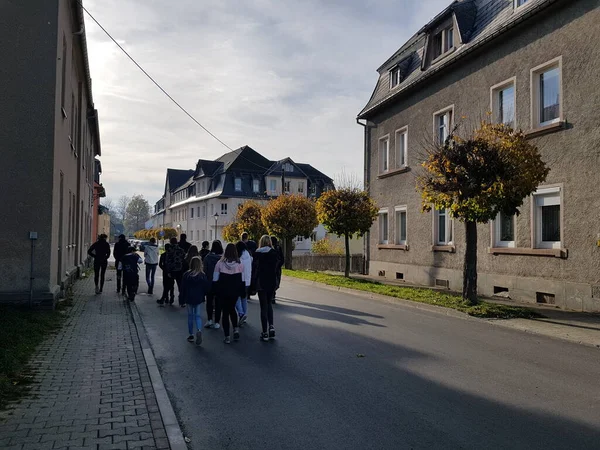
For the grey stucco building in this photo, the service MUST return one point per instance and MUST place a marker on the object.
(49, 139)
(534, 64)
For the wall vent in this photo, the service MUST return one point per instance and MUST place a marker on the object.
(596, 291)
(498, 289)
(542, 297)
(442, 283)
(399, 276)
(382, 273)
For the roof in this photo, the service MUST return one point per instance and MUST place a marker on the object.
(478, 21)
(245, 157)
(177, 178)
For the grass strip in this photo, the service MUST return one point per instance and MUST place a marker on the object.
(422, 295)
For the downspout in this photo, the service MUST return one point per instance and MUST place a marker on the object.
(367, 186)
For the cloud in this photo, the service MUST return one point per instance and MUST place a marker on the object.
(286, 78)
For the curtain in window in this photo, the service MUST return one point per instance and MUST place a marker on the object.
(551, 223)
(549, 95)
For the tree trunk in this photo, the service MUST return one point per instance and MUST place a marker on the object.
(347, 270)
(287, 248)
(470, 265)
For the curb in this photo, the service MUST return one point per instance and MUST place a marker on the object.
(174, 433)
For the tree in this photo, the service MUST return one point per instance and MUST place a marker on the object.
(248, 219)
(231, 232)
(288, 216)
(137, 213)
(346, 212)
(489, 172)
(121, 207)
(109, 204)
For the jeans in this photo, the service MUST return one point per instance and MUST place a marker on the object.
(119, 277)
(194, 314)
(229, 313)
(131, 282)
(213, 302)
(168, 288)
(241, 306)
(266, 309)
(150, 272)
(99, 272)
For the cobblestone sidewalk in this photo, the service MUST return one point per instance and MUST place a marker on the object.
(92, 388)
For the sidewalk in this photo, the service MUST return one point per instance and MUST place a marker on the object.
(92, 387)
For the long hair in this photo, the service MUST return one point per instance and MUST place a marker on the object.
(217, 248)
(231, 254)
(265, 241)
(241, 247)
(193, 251)
(196, 266)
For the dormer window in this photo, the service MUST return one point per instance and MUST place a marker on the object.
(520, 3)
(443, 42)
(395, 77)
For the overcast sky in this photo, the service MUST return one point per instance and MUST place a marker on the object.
(284, 77)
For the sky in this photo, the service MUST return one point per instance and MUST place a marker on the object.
(287, 78)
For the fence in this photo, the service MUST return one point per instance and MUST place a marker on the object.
(321, 263)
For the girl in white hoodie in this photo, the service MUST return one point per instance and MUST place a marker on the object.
(242, 303)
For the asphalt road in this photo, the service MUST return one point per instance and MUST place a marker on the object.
(347, 372)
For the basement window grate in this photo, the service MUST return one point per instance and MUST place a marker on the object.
(382, 273)
(442, 283)
(399, 276)
(545, 298)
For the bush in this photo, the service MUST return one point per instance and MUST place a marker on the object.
(327, 247)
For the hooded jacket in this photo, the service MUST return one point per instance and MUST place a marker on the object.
(229, 279)
(194, 288)
(265, 264)
(151, 254)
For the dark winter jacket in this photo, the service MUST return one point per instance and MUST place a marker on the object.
(251, 247)
(175, 257)
(121, 248)
(203, 253)
(130, 263)
(100, 250)
(265, 268)
(194, 288)
(210, 261)
(162, 263)
(185, 246)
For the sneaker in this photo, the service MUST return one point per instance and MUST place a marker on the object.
(217, 326)
(271, 332)
(190, 338)
(236, 334)
(243, 319)
(97, 290)
(183, 305)
(264, 337)
(227, 340)
(209, 324)
(198, 337)
(160, 301)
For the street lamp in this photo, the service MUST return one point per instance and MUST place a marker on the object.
(216, 216)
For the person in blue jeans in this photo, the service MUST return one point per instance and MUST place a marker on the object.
(151, 263)
(194, 287)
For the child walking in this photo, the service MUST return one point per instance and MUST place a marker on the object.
(130, 263)
(230, 284)
(194, 287)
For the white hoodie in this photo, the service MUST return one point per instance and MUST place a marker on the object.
(151, 254)
(246, 260)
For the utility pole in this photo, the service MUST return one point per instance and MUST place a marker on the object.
(282, 179)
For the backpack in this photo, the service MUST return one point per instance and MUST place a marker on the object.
(175, 259)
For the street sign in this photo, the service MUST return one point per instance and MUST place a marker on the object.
(161, 233)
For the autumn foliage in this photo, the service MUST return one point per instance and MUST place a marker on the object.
(155, 233)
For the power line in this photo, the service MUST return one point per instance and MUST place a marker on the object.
(152, 79)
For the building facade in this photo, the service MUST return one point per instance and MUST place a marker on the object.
(49, 140)
(201, 202)
(533, 64)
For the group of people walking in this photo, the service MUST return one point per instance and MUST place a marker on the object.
(223, 278)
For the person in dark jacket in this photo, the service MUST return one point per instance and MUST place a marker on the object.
(250, 244)
(212, 299)
(266, 260)
(194, 287)
(168, 282)
(183, 243)
(280, 262)
(193, 251)
(230, 285)
(120, 250)
(100, 251)
(130, 263)
(174, 262)
(205, 250)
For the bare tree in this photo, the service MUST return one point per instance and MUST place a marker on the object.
(109, 204)
(121, 207)
(348, 180)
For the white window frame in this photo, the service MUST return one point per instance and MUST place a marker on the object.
(525, 3)
(554, 195)
(497, 232)
(287, 186)
(255, 186)
(395, 77)
(383, 212)
(445, 49)
(495, 100)
(449, 112)
(555, 63)
(273, 186)
(238, 184)
(448, 231)
(300, 187)
(223, 209)
(381, 153)
(401, 136)
(397, 211)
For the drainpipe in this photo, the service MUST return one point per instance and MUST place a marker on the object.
(367, 184)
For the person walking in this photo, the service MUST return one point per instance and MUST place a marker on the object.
(241, 305)
(193, 251)
(250, 244)
(174, 263)
(168, 282)
(151, 262)
(194, 287)
(229, 279)
(280, 262)
(213, 303)
(183, 243)
(120, 250)
(100, 251)
(205, 250)
(131, 279)
(265, 261)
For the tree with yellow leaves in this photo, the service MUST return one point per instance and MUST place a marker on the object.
(475, 178)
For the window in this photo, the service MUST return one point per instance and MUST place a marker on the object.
(384, 154)
(223, 209)
(503, 103)
(301, 187)
(299, 238)
(238, 184)
(504, 230)
(203, 235)
(547, 218)
(198, 212)
(443, 42)
(255, 186)
(546, 94)
(443, 124)
(520, 2)
(212, 209)
(443, 227)
(287, 167)
(191, 213)
(286, 187)
(401, 142)
(401, 225)
(395, 77)
(272, 186)
(383, 226)
(203, 210)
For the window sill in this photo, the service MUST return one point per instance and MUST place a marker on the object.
(562, 253)
(392, 247)
(443, 248)
(546, 129)
(443, 56)
(393, 172)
